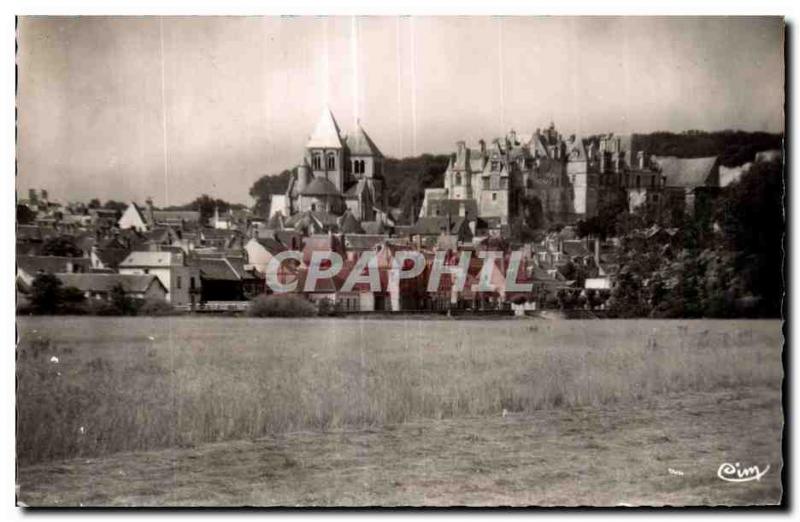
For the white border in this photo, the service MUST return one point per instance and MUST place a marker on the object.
(243, 7)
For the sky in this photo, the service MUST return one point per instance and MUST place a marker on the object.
(127, 108)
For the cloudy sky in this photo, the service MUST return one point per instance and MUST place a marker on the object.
(125, 108)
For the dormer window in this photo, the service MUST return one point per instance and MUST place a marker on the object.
(316, 161)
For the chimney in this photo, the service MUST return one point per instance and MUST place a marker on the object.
(483, 147)
(43, 192)
(640, 157)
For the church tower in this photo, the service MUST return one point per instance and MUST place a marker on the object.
(325, 152)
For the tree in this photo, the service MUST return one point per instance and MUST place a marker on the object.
(207, 205)
(264, 188)
(120, 301)
(46, 294)
(25, 216)
(751, 217)
(119, 206)
(63, 246)
(94, 203)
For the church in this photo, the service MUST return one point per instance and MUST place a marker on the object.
(339, 174)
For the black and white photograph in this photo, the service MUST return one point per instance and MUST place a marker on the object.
(425, 261)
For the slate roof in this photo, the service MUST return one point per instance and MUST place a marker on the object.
(270, 245)
(110, 256)
(320, 187)
(219, 268)
(52, 264)
(326, 134)
(150, 259)
(575, 248)
(350, 225)
(105, 282)
(689, 172)
(360, 144)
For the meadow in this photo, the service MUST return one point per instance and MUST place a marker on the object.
(92, 387)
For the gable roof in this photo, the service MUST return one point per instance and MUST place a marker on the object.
(360, 144)
(111, 257)
(350, 224)
(105, 282)
(326, 134)
(688, 172)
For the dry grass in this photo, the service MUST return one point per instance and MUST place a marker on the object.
(601, 456)
(202, 380)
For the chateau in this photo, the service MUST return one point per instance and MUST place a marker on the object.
(338, 174)
(564, 179)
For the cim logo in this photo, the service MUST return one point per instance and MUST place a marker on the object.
(735, 473)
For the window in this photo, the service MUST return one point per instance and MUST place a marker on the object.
(178, 282)
(494, 196)
(313, 207)
(331, 162)
(638, 181)
(458, 180)
(485, 183)
(316, 162)
(495, 166)
(652, 181)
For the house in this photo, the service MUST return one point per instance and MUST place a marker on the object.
(689, 182)
(108, 255)
(260, 251)
(28, 267)
(181, 281)
(220, 280)
(428, 229)
(99, 286)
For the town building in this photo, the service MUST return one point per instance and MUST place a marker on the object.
(181, 281)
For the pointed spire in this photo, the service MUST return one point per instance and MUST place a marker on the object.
(326, 134)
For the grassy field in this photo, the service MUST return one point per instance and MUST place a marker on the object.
(395, 411)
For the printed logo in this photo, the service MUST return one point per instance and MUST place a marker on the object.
(735, 473)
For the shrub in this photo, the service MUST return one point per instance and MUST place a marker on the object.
(281, 305)
(156, 307)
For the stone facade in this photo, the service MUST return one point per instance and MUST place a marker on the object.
(567, 178)
(338, 173)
